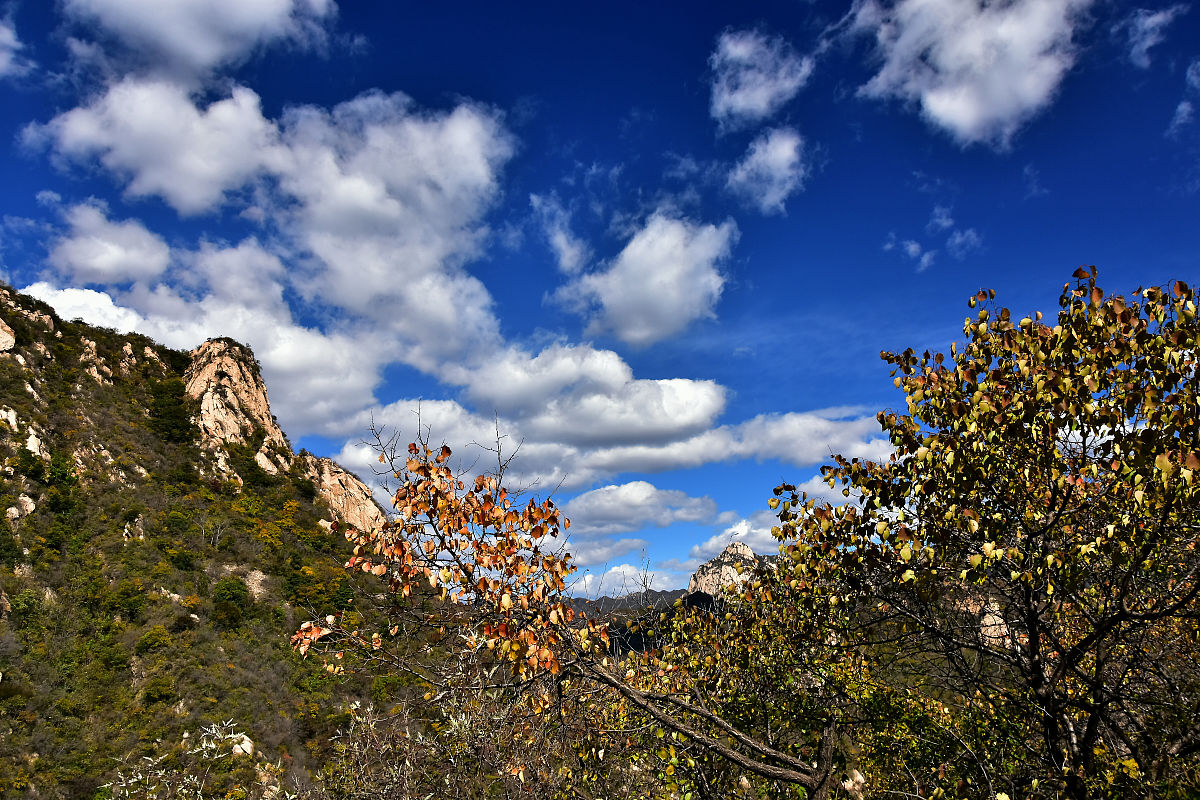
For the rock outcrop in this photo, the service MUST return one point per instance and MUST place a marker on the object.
(8, 339)
(713, 576)
(346, 495)
(225, 379)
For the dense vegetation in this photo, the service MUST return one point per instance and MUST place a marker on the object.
(147, 597)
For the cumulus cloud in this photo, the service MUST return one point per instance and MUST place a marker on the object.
(977, 70)
(152, 134)
(754, 75)
(193, 36)
(389, 200)
(1143, 29)
(629, 507)
(97, 308)
(581, 395)
(385, 199)
(771, 171)
(318, 379)
(665, 278)
(97, 250)
(12, 62)
(570, 252)
(797, 438)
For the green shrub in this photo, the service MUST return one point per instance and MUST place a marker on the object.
(170, 416)
(155, 638)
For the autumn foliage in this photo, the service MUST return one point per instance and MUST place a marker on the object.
(1005, 607)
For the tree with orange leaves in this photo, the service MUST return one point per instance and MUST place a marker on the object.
(1008, 606)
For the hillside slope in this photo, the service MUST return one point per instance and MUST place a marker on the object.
(160, 541)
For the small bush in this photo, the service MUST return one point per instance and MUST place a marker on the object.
(154, 639)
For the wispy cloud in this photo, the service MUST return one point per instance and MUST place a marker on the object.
(772, 170)
(12, 61)
(753, 76)
(570, 252)
(1143, 29)
(963, 242)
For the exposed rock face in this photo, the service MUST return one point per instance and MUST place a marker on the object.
(347, 496)
(24, 507)
(8, 339)
(225, 378)
(37, 317)
(93, 364)
(712, 577)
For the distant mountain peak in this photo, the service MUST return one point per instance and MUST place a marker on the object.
(713, 576)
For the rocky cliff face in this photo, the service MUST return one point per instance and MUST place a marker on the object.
(346, 496)
(712, 577)
(225, 379)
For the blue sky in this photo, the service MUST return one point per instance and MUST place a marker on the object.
(658, 244)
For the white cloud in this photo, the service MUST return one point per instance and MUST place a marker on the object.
(578, 395)
(962, 242)
(246, 272)
(570, 252)
(1144, 29)
(1193, 75)
(100, 251)
(915, 251)
(96, 308)
(629, 507)
(389, 203)
(319, 381)
(12, 62)
(754, 531)
(664, 279)
(1033, 182)
(383, 201)
(593, 552)
(798, 439)
(193, 36)
(753, 77)
(152, 133)
(977, 70)
(771, 171)
(940, 219)
(626, 579)
(1185, 112)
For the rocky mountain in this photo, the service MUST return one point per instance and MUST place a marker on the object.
(225, 380)
(160, 541)
(732, 567)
